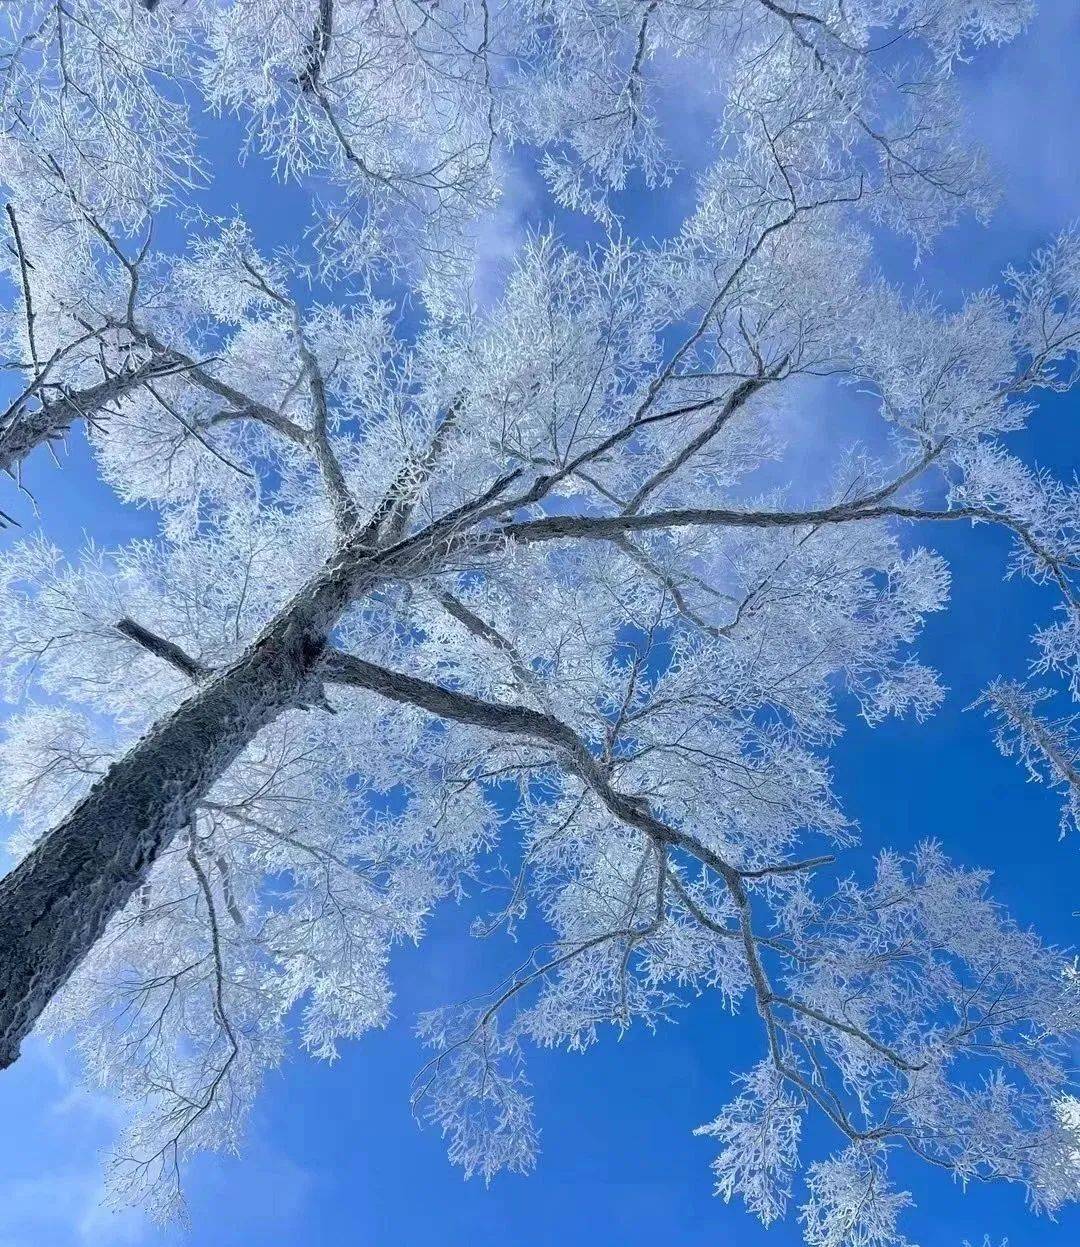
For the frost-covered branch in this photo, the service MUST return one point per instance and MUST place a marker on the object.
(472, 575)
(1048, 749)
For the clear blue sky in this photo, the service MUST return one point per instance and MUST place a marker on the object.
(334, 1158)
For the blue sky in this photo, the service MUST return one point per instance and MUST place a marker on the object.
(334, 1157)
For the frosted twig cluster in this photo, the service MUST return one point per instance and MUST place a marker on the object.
(516, 573)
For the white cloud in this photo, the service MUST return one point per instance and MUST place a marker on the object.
(66, 1207)
(1023, 102)
(498, 236)
(63, 1204)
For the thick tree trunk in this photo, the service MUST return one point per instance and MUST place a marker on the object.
(57, 902)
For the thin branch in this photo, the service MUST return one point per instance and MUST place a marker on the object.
(737, 399)
(168, 651)
(28, 302)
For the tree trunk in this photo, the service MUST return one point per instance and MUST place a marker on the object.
(57, 902)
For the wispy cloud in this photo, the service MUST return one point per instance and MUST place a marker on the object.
(66, 1208)
(63, 1203)
(1024, 103)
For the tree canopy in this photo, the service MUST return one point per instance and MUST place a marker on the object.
(445, 583)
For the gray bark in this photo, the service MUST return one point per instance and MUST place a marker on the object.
(57, 902)
(162, 648)
(25, 431)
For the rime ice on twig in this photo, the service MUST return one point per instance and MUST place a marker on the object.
(405, 565)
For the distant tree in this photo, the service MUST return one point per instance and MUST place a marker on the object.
(516, 574)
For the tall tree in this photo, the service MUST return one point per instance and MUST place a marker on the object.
(406, 569)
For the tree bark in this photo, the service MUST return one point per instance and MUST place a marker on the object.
(57, 902)
(27, 430)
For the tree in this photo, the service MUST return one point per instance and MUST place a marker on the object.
(407, 569)
(405, 116)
